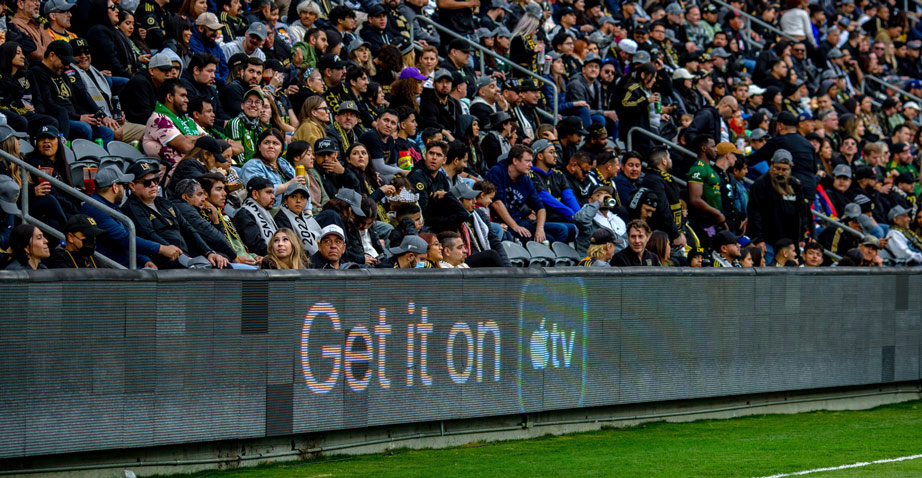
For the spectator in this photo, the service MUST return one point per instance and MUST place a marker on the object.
(606, 169)
(627, 182)
(496, 143)
(380, 144)
(601, 249)
(659, 245)
(251, 44)
(294, 215)
(268, 163)
(199, 79)
(285, 252)
(343, 128)
(802, 152)
(300, 153)
(704, 201)
(207, 155)
(253, 221)
(49, 203)
(636, 253)
(481, 242)
(836, 239)
(28, 248)
(726, 250)
(785, 254)
(813, 255)
(437, 108)
(156, 218)
(903, 246)
(25, 21)
(14, 86)
(245, 75)
(777, 209)
(329, 167)
(111, 46)
(408, 254)
(204, 41)
(668, 216)
(453, 251)
(330, 250)
(552, 185)
(190, 203)
(139, 105)
(80, 235)
(315, 116)
(433, 255)
(215, 211)
(714, 122)
(98, 89)
(601, 211)
(371, 244)
(245, 126)
(345, 210)
(169, 133)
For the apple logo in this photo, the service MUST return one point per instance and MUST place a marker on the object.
(538, 347)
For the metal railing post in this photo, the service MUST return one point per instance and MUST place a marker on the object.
(889, 86)
(757, 21)
(832, 221)
(493, 54)
(672, 144)
(71, 191)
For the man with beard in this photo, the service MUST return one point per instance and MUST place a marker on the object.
(704, 202)
(110, 190)
(436, 107)
(802, 152)
(526, 113)
(199, 79)
(596, 140)
(726, 250)
(484, 103)
(248, 76)
(576, 171)
(203, 40)
(587, 88)
(342, 129)
(380, 144)
(777, 209)
(668, 215)
(552, 186)
(79, 245)
(169, 133)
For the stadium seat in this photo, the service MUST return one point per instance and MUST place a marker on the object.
(541, 255)
(125, 150)
(566, 255)
(69, 155)
(517, 254)
(87, 149)
(121, 162)
(25, 147)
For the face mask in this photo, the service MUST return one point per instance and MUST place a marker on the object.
(88, 248)
(420, 265)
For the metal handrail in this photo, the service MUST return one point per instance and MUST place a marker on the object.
(481, 49)
(672, 144)
(758, 21)
(890, 87)
(71, 191)
(832, 221)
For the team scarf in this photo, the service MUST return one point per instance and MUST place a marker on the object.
(264, 220)
(910, 235)
(185, 124)
(305, 227)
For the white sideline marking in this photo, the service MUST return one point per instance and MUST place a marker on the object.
(843, 467)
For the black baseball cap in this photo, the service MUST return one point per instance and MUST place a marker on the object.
(143, 168)
(602, 235)
(723, 238)
(85, 224)
(460, 45)
(572, 124)
(787, 118)
(213, 146)
(330, 61)
(62, 50)
(258, 182)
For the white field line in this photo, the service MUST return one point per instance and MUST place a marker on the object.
(843, 467)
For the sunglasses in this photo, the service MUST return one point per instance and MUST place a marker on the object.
(148, 182)
(113, 7)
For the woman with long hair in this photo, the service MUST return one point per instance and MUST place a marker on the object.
(376, 97)
(178, 34)
(268, 163)
(873, 131)
(405, 91)
(360, 175)
(524, 50)
(388, 65)
(434, 254)
(314, 117)
(207, 155)
(111, 48)
(558, 74)
(285, 252)
(191, 9)
(361, 55)
(853, 127)
(301, 153)
(49, 204)
(659, 245)
(28, 247)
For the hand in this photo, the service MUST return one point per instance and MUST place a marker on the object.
(105, 73)
(691, 47)
(28, 106)
(581, 103)
(370, 260)
(388, 190)
(610, 115)
(679, 241)
(761, 245)
(668, 108)
(655, 98)
(297, 57)
(142, 32)
(217, 260)
(170, 252)
(89, 119)
(664, 118)
(586, 28)
(144, 58)
(720, 218)
(521, 231)
(43, 189)
(150, 265)
(245, 260)
(292, 90)
(439, 194)
(539, 235)
(110, 123)
(276, 81)
(883, 242)
(473, 3)
(294, 181)
(212, 212)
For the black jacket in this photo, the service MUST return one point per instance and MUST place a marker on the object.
(232, 97)
(628, 258)
(424, 184)
(139, 104)
(633, 111)
(165, 225)
(59, 95)
(110, 52)
(706, 122)
(433, 113)
(805, 160)
(212, 237)
(773, 216)
(209, 92)
(249, 232)
(668, 215)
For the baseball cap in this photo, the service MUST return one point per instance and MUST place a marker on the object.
(727, 147)
(80, 46)
(870, 240)
(48, 131)
(834, 54)
(804, 117)
(852, 211)
(141, 169)
(913, 105)
(211, 145)
(161, 61)
(412, 72)
(592, 58)
(257, 183)
(83, 223)
(411, 243)
(325, 145)
(502, 32)
(572, 124)
(353, 198)
(376, 10)
(462, 191)
(905, 178)
(258, 29)
(330, 61)
(842, 171)
(208, 20)
(602, 235)
(682, 74)
(64, 51)
(347, 106)
(641, 57)
(755, 90)
(299, 188)
(709, 8)
(460, 45)
(332, 229)
(757, 134)
(597, 130)
(483, 81)
(897, 211)
(674, 9)
(110, 175)
(254, 91)
(719, 52)
(899, 148)
(56, 6)
(440, 74)
(540, 145)
(783, 156)
(723, 238)
(9, 191)
(863, 172)
(534, 10)
(236, 59)
(628, 46)
(787, 118)
(6, 132)
(914, 45)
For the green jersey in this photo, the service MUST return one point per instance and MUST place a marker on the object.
(702, 173)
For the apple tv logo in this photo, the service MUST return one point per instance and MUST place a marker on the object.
(553, 328)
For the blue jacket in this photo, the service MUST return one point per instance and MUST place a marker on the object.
(567, 205)
(515, 195)
(114, 243)
(198, 46)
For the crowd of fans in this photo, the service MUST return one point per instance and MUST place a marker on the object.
(353, 133)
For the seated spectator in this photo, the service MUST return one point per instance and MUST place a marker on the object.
(409, 220)
(285, 252)
(245, 126)
(746, 259)
(659, 245)
(46, 202)
(139, 105)
(870, 252)
(360, 175)
(14, 86)
(636, 253)
(726, 250)
(381, 146)
(813, 255)
(9, 192)
(453, 251)
(25, 21)
(253, 221)
(428, 178)
(785, 254)
(777, 208)
(903, 246)
(215, 201)
(601, 249)
(99, 90)
(330, 249)
(190, 204)
(695, 257)
(410, 253)
(110, 190)
(251, 44)
(345, 210)
(836, 239)
(245, 75)
(314, 117)
(295, 216)
(601, 211)
(156, 218)
(28, 247)
(268, 163)
(80, 235)
(110, 45)
(169, 133)
(482, 245)
(204, 40)
(433, 255)
(207, 155)
(301, 153)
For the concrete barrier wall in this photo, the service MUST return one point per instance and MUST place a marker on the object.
(116, 359)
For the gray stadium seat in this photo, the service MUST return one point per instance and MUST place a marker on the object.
(116, 160)
(541, 255)
(566, 255)
(87, 149)
(125, 150)
(69, 155)
(517, 254)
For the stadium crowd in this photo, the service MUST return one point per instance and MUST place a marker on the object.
(353, 133)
